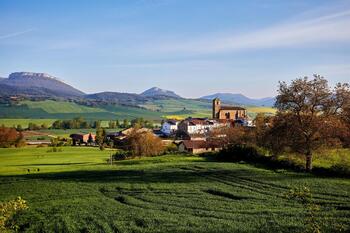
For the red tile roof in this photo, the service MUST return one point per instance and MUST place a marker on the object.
(231, 108)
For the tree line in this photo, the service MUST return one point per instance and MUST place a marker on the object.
(81, 123)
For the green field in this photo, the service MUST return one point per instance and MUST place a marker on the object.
(322, 159)
(77, 191)
(66, 132)
(46, 111)
(50, 109)
(24, 122)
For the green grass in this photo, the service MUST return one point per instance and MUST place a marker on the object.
(24, 122)
(76, 191)
(51, 106)
(322, 159)
(68, 110)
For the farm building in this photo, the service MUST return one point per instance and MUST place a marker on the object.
(197, 146)
(79, 139)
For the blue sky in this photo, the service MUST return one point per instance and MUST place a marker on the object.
(193, 47)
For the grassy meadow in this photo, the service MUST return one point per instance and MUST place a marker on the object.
(322, 159)
(77, 191)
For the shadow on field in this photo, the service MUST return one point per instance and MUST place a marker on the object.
(52, 164)
(184, 174)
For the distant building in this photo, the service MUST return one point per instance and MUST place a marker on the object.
(119, 137)
(197, 146)
(79, 139)
(201, 125)
(227, 112)
(169, 127)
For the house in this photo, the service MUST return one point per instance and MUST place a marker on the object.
(227, 112)
(119, 137)
(191, 126)
(79, 138)
(169, 127)
(198, 146)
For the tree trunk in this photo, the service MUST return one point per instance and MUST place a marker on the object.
(308, 166)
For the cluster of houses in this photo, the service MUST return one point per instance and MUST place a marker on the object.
(191, 134)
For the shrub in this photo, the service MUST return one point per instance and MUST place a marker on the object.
(144, 144)
(121, 155)
(8, 211)
(171, 149)
(341, 169)
(55, 149)
(313, 221)
(10, 137)
(238, 152)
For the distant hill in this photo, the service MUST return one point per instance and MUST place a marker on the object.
(36, 84)
(155, 91)
(241, 99)
(117, 97)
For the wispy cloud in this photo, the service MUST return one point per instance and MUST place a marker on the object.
(331, 27)
(14, 34)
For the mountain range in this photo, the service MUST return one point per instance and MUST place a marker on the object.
(29, 84)
(241, 99)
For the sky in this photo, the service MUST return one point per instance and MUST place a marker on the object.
(192, 47)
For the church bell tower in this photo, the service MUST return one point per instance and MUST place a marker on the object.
(216, 108)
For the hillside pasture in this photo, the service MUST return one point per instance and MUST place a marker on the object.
(13, 122)
(69, 110)
(77, 191)
(155, 110)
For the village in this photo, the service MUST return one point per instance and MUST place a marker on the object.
(191, 135)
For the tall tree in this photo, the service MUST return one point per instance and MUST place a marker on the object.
(99, 136)
(307, 105)
(125, 123)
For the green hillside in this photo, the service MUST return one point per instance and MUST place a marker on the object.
(152, 110)
(24, 122)
(49, 109)
(197, 108)
(54, 107)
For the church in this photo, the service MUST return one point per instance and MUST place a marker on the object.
(227, 112)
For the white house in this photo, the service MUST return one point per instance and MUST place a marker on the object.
(169, 127)
(201, 125)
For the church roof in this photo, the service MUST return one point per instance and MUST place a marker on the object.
(231, 108)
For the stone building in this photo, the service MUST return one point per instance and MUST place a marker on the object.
(227, 112)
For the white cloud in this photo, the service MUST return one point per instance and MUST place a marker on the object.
(14, 34)
(331, 27)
